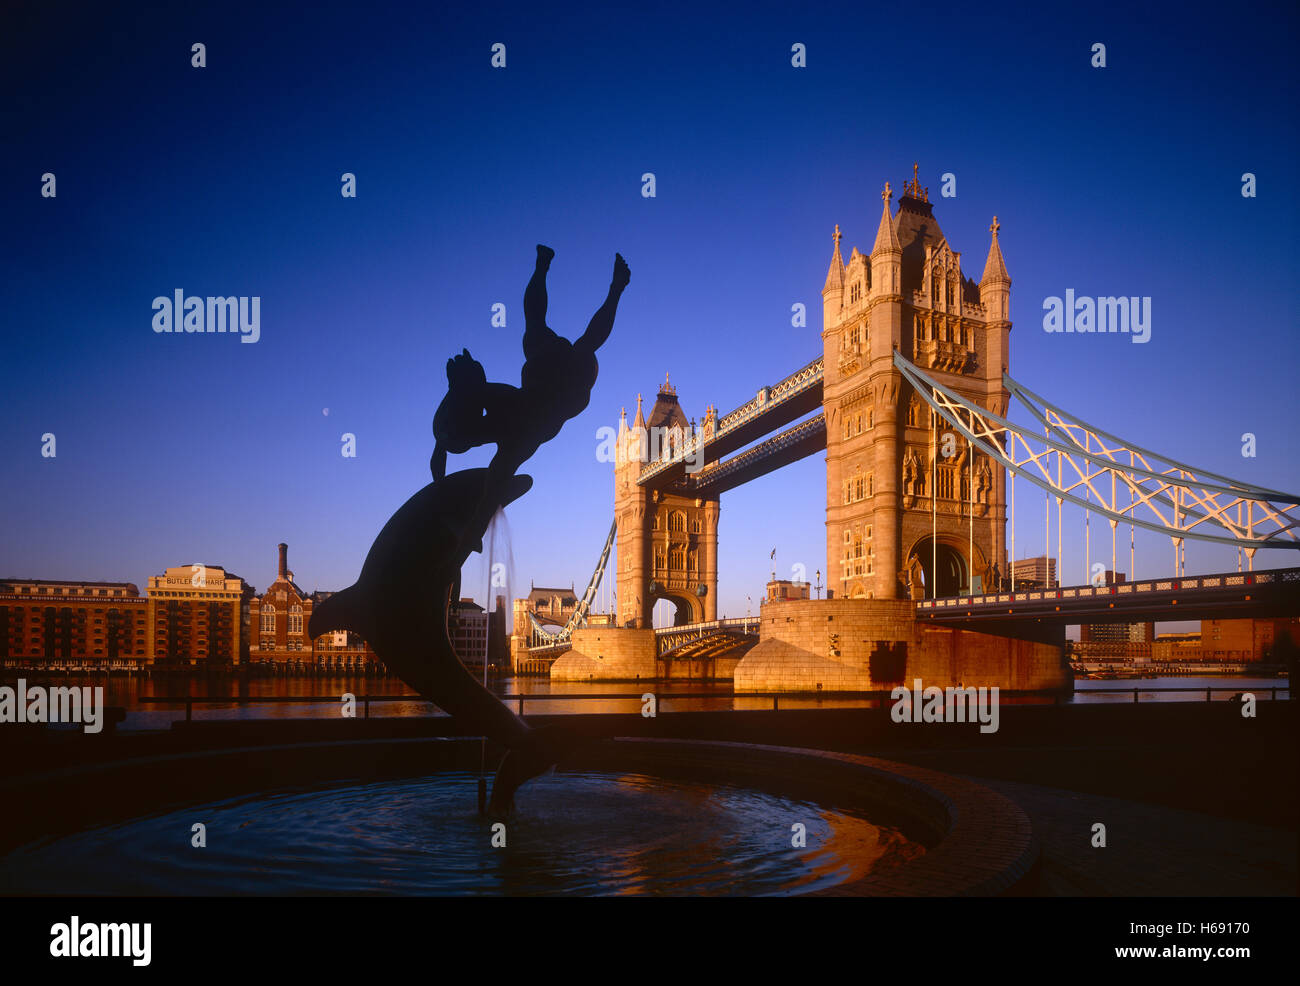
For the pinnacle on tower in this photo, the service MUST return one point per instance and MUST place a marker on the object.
(994, 268)
(639, 420)
(913, 189)
(835, 275)
(886, 238)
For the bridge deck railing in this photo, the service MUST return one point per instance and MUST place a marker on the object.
(1177, 584)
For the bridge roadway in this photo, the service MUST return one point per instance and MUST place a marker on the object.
(1232, 595)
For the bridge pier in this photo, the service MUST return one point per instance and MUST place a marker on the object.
(607, 654)
(828, 645)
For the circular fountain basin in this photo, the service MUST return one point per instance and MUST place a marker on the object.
(649, 817)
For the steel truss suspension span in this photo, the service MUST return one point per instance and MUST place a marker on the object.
(544, 637)
(1173, 498)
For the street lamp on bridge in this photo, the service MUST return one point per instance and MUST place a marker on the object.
(819, 583)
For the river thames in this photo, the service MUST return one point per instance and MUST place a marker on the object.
(139, 694)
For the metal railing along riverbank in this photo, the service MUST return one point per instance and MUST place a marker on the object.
(793, 699)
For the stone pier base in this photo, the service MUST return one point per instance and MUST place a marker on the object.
(808, 645)
(607, 654)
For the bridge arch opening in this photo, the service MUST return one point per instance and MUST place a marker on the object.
(679, 610)
(942, 566)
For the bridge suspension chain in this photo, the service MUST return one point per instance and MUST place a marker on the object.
(579, 618)
(1178, 500)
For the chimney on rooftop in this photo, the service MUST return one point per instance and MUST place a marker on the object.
(284, 561)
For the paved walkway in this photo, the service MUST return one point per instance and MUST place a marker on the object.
(1150, 850)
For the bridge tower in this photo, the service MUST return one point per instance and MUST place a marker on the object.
(899, 512)
(667, 543)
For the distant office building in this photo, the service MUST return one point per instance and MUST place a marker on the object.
(50, 623)
(1034, 573)
(280, 618)
(1250, 639)
(198, 617)
(1176, 647)
(1119, 634)
(468, 625)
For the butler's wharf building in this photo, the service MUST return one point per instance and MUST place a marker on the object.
(198, 617)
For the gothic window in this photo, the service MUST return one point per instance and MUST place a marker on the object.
(858, 488)
(945, 482)
(695, 525)
(871, 484)
(871, 416)
(848, 428)
(859, 430)
(661, 558)
(693, 560)
(654, 524)
(678, 522)
(677, 559)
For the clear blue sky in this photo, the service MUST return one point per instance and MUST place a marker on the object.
(225, 180)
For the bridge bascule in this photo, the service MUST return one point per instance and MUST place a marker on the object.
(910, 402)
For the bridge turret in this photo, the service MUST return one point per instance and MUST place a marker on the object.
(833, 291)
(995, 285)
(887, 254)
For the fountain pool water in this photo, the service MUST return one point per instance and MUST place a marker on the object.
(583, 832)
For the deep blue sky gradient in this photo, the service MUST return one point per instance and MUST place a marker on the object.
(225, 180)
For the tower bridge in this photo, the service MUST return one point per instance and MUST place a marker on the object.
(909, 401)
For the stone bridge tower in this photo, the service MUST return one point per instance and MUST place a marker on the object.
(667, 542)
(886, 471)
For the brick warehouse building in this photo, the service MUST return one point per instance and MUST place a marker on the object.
(73, 624)
(198, 617)
(193, 616)
(279, 620)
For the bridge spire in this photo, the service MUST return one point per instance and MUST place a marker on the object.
(639, 420)
(995, 269)
(886, 238)
(835, 275)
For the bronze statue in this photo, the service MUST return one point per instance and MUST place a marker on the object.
(411, 575)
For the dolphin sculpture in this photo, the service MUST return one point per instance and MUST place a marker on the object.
(399, 605)
(411, 575)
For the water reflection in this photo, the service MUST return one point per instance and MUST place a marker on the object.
(544, 697)
(573, 833)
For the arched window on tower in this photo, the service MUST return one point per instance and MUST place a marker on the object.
(677, 523)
